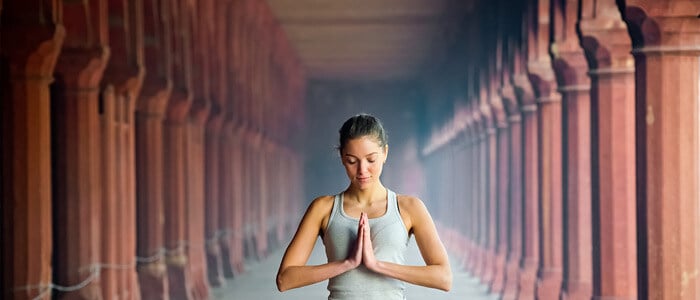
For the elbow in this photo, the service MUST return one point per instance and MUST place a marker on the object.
(281, 286)
(446, 282)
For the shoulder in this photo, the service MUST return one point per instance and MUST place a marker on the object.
(321, 205)
(413, 210)
(410, 204)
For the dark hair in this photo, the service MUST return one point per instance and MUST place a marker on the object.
(362, 125)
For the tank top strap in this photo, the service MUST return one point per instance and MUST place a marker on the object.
(393, 206)
(334, 211)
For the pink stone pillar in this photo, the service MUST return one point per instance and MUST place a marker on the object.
(195, 198)
(174, 195)
(109, 224)
(501, 188)
(226, 197)
(151, 107)
(76, 174)
(550, 171)
(571, 67)
(607, 44)
(666, 43)
(531, 212)
(31, 50)
(515, 213)
(214, 158)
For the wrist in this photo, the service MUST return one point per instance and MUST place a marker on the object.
(375, 266)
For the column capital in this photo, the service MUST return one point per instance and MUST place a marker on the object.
(179, 105)
(664, 27)
(199, 111)
(605, 39)
(83, 67)
(33, 50)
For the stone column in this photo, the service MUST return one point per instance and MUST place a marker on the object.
(531, 183)
(550, 172)
(483, 259)
(239, 178)
(475, 176)
(214, 158)
(76, 151)
(607, 44)
(500, 188)
(150, 112)
(226, 197)
(125, 73)
(109, 229)
(30, 49)
(492, 194)
(666, 39)
(195, 142)
(570, 65)
(174, 195)
(514, 216)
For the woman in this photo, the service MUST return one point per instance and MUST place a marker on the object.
(365, 229)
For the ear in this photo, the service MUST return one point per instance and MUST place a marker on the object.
(386, 152)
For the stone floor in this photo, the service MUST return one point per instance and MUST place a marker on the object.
(259, 282)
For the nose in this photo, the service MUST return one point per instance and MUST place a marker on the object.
(362, 167)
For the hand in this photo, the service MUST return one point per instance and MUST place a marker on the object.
(355, 256)
(368, 258)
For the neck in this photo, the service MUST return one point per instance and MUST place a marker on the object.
(366, 196)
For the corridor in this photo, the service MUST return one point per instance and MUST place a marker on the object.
(167, 149)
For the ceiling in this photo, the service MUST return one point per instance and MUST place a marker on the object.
(369, 39)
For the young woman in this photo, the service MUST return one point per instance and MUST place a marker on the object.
(365, 229)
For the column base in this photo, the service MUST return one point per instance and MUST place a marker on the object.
(499, 277)
(215, 270)
(179, 278)
(549, 287)
(92, 291)
(153, 281)
(226, 263)
(577, 291)
(510, 291)
(488, 268)
(528, 282)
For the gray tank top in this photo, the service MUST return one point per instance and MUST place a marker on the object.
(389, 239)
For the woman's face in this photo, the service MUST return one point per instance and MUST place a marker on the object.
(363, 159)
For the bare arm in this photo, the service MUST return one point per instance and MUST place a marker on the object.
(436, 273)
(293, 271)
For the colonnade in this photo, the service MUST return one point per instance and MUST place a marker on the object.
(573, 151)
(135, 136)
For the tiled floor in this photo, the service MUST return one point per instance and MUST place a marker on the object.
(259, 282)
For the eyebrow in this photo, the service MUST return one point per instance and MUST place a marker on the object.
(373, 153)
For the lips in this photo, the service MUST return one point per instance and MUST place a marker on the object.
(363, 179)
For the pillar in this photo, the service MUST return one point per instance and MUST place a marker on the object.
(174, 195)
(666, 44)
(30, 49)
(570, 66)
(76, 151)
(214, 158)
(531, 183)
(195, 146)
(226, 198)
(500, 186)
(109, 229)
(549, 114)
(150, 112)
(605, 39)
(515, 197)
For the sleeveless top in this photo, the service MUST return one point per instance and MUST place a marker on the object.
(389, 240)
